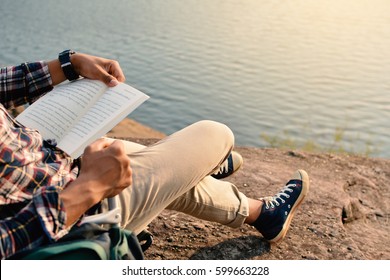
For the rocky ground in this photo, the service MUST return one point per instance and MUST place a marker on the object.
(345, 215)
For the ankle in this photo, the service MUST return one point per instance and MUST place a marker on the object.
(255, 207)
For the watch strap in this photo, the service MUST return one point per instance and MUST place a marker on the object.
(66, 65)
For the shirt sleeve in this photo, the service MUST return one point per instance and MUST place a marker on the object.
(24, 83)
(43, 220)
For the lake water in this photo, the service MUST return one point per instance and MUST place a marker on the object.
(302, 70)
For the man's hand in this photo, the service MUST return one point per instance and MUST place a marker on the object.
(105, 172)
(88, 66)
(106, 164)
(97, 68)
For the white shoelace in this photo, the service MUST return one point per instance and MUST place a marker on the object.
(223, 168)
(271, 201)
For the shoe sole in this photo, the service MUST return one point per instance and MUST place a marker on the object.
(286, 226)
(238, 166)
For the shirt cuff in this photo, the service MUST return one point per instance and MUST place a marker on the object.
(38, 79)
(51, 212)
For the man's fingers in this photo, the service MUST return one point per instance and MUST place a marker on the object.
(99, 145)
(117, 148)
(106, 78)
(113, 68)
(97, 68)
(113, 74)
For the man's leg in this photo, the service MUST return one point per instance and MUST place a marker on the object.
(221, 201)
(174, 173)
(214, 200)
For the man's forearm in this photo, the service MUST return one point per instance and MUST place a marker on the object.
(77, 198)
(56, 73)
(105, 172)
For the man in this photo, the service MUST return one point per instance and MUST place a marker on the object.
(44, 192)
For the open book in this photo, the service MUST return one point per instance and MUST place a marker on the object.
(76, 114)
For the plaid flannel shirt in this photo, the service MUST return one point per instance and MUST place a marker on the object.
(32, 172)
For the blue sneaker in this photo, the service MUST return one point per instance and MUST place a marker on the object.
(229, 166)
(278, 211)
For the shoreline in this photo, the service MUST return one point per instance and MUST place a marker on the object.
(129, 128)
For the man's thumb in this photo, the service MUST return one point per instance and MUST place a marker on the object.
(110, 81)
(113, 82)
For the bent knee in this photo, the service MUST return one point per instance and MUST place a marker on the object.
(216, 130)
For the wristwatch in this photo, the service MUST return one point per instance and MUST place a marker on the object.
(67, 66)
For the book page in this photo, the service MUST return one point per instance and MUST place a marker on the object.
(54, 114)
(113, 106)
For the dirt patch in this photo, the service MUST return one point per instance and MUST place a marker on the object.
(345, 215)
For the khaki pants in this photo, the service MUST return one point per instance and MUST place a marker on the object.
(174, 174)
